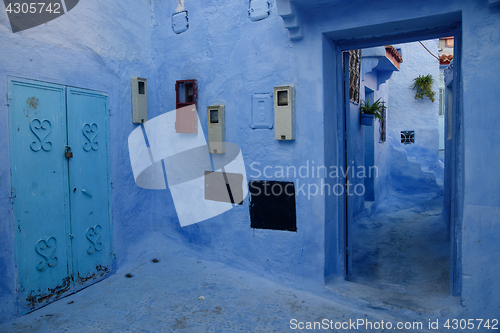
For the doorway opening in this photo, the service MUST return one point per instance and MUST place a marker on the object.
(360, 256)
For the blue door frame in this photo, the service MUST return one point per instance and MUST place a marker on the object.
(63, 238)
(342, 41)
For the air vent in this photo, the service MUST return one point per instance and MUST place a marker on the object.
(272, 205)
(407, 137)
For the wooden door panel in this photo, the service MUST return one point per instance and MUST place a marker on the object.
(89, 185)
(37, 117)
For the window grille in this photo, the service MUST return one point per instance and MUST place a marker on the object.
(383, 124)
(441, 101)
(407, 137)
(354, 74)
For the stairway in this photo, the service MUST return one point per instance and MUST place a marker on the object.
(409, 174)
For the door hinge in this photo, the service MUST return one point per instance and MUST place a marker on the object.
(9, 97)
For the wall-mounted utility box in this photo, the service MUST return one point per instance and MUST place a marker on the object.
(180, 22)
(216, 129)
(259, 9)
(186, 93)
(262, 111)
(139, 100)
(284, 113)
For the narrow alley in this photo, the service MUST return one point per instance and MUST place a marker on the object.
(400, 275)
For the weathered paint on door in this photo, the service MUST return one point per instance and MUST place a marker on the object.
(39, 190)
(89, 190)
(50, 227)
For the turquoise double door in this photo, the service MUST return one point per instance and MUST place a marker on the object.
(60, 189)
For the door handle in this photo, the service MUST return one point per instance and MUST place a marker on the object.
(84, 191)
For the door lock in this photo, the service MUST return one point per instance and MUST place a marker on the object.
(68, 153)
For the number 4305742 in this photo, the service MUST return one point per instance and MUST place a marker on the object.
(33, 8)
(471, 324)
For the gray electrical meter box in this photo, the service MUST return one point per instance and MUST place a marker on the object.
(284, 113)
(216, 129)
(139, 100)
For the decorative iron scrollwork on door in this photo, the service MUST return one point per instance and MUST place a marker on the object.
(41, 129)
(45, 249)
(93, 234)
(90, 132)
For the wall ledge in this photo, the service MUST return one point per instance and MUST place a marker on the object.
(378, 60)
(291, 19)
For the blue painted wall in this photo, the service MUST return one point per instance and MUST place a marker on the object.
(409, 114)
(100, 46)
(478, 159)
(370, 156)
(220, 50)
(91, 48)
(378, 84)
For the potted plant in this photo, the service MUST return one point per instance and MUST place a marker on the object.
(423, 86)
(370, 111)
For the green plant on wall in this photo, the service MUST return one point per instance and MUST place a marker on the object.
(423, 86)
(375, 109)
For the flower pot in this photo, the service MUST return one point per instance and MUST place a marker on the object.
(366, 119)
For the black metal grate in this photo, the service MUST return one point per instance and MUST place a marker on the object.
(272, 205)
(407, 137)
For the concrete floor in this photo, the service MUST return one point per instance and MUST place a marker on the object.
(399, 276)
(401, 251)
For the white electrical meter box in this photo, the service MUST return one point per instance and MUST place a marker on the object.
(216, 129)
(284, 113)
(139, 100)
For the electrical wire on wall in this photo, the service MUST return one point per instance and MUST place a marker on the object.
(428, 50)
